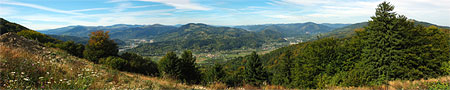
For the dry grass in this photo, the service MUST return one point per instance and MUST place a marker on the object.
(440, 83)
(418, 84)
(218, 85)
(56, 69)
(273, 87)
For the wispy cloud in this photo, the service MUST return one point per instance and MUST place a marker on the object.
(37, 7)
(124, 6)
(7, 10)
(181, 4)
(89, 9)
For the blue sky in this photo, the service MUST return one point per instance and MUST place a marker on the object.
(49, 14)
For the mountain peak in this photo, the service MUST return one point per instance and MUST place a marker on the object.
(194, 25)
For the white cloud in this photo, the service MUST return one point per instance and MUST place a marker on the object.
(93, 19)
(181, 4)
(123, 6)
(435, 11)
(89, 9)
(304, 2)
(8, 2)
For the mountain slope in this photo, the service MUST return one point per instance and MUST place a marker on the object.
(49, 68)
(6, 26)
(205, 38)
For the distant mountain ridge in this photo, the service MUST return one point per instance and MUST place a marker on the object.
(118, 31)
(126, 31)
(294, 29)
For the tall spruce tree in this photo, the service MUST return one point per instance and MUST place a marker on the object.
(397, 49)
(189, 71)
(170, 66)
(255, 73)
(215, 74)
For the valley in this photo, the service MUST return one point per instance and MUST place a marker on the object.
(244, 44)
(153, 39)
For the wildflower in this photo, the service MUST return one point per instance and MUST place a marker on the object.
(13, 72)
(42, 87)
(41, 77)
(60, 80)
(11, 81)
(22, 73)
(26, 79)
(48, 73)
(49, 82)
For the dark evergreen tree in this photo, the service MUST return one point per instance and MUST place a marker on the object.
(255, 74)
(397, 49)
(215, 74)
(169, 66)
(189, 71)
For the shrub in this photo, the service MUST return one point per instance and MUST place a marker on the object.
(139, 64)
(114, 62)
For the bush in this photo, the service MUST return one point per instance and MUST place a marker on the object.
(69, 46)
(33, 35)
(138, 64)
(114, 62)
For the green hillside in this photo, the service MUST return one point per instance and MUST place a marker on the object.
(6, 26)
(205, 38)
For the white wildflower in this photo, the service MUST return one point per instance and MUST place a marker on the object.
(22, 73)
(13, 72)
(41, 77)
(26, 79)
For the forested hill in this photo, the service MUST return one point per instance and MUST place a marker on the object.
(349, 30)
(205, 38)
(295, 29)
(118, 31)
(6, 26)
(389, 47)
